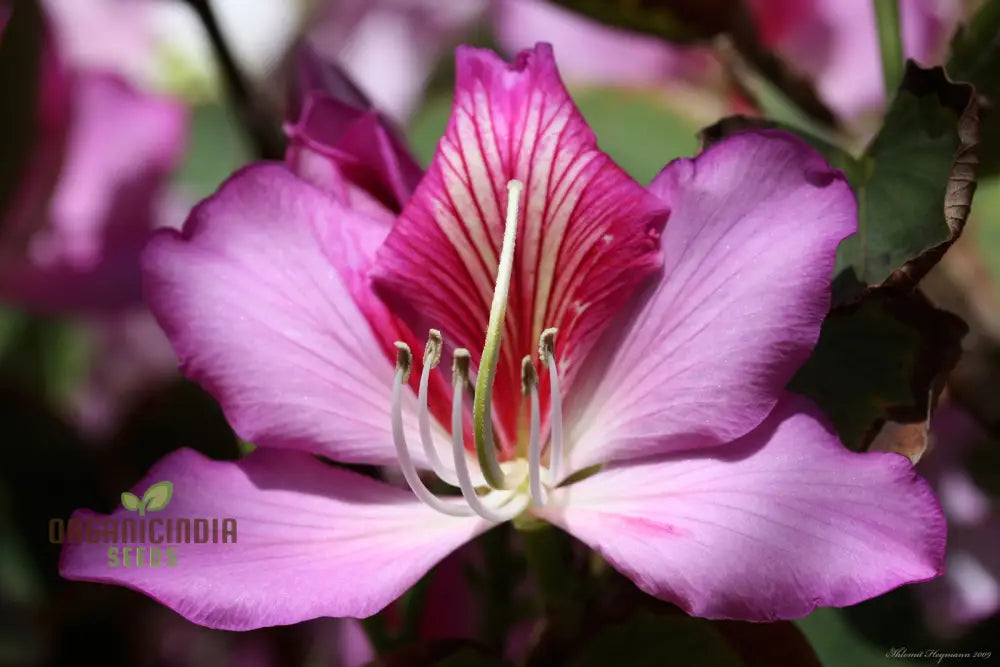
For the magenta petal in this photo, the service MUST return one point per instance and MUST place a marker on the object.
(312, 540)
(588, 233)
(769, 527)
(705, 354)
(264, 299)
(337, 139)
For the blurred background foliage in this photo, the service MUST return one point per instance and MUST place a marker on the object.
(50, 466)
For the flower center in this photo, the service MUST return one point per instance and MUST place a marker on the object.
(510, 487)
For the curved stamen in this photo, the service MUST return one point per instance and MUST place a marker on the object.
(432, 355)
(460, 370)
(403, 363)
(529, 386)
(482, 413)
(547, 353)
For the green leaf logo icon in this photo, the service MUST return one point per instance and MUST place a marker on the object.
(155, 499)
(130, 502)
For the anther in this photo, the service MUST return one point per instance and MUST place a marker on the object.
(404, 359)
(529, 386)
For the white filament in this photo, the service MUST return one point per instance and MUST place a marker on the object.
(535, 450)
(495, 513)
(555, 416)
(441, 469)
(406, 463)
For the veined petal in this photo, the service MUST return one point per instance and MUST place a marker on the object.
(706, 351)
(264, 299)
(311, 540)
(588, 233)
(769, 527)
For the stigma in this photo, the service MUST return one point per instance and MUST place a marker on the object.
(507, 489)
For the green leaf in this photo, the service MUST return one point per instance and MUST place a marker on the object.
(130, 501)
(650, 640)
(838, 645)
(880, 359)
(915, 184)
(975, 58)
(157, 496)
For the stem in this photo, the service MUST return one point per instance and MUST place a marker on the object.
(548, 554)
(500, 581)
(890, 44)
(256, 121)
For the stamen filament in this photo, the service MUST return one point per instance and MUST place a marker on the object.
(482, 412)
(529, 384)
(498, 514)
(432, 355)
(403, 364)
(547, 353)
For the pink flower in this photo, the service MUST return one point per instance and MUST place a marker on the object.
(91, 193)
(682, 310)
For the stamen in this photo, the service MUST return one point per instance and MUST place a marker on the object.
(529, 386)
(404, 362)
(482, 412)
(547, 353)
(432, 356)
(460, 374)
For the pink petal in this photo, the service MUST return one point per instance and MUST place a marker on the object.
(121, 148)
(265, 300)
(749, 252)
(588, 233)
(312, 540)
(769, 527)
(336, 136)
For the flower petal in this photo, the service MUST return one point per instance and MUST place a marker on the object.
(311, 540)
(336, 136)
(588, 233)
(265, 300)
(703, 356)
(769, 527)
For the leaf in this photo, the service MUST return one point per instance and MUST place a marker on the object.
(975, 58)
(916, 184)
(157, 496)
(884, 358)
(649, 639)
(130, 501)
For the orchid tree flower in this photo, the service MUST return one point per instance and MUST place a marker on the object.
(624, 351)
(93, 190)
